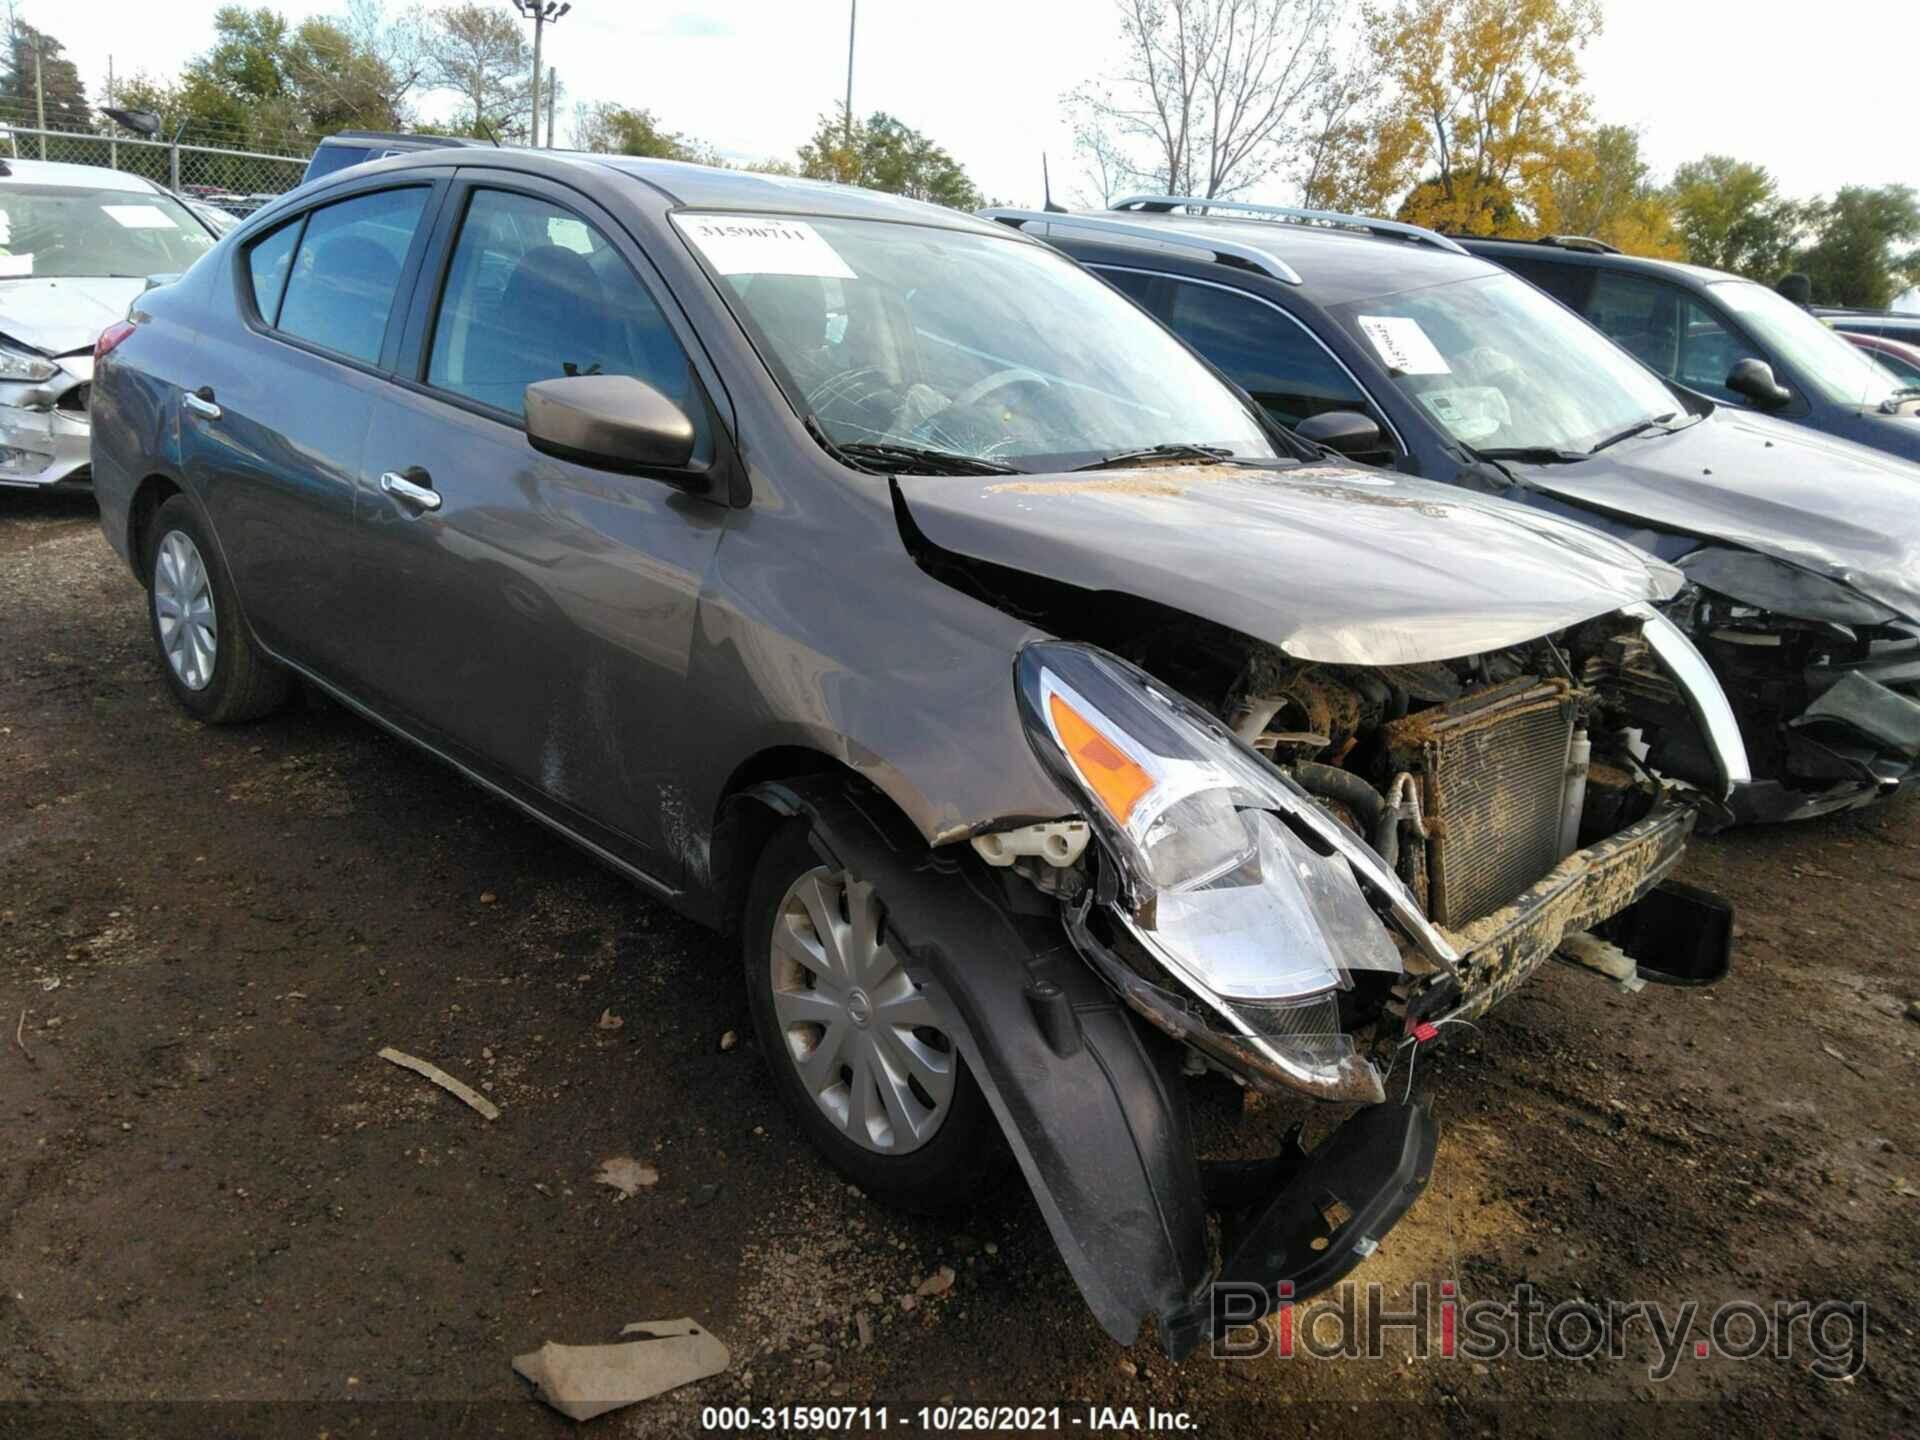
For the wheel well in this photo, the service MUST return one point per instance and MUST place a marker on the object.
(745, 822)
(154, 492)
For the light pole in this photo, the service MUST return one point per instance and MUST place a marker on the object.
(542, 13)
(846, 118)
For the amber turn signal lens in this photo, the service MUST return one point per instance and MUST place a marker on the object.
(1115, 779)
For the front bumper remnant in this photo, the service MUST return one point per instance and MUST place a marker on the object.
(1093, 1103)
(45, 428)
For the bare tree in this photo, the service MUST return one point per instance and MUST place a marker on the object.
(482, 53)
(1215, 94)
(1109, 173)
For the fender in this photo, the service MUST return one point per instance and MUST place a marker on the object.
(1092, 1105)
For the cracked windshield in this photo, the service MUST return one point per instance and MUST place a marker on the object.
(967, 345)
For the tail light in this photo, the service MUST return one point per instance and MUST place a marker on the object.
(111, 338)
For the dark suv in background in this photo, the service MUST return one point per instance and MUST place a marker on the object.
(1728, 338)
(1395, 346)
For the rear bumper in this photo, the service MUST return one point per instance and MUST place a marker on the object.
(1499, 951)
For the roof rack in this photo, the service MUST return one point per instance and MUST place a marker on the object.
(1586, 244)
(1390, 229)
(1103, 227)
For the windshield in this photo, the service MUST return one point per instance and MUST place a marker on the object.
(1826, 361)
(1502, 367)
(63, 230)
(974, 345)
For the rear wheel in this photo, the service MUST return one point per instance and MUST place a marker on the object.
(857, 1051)
(211, 664)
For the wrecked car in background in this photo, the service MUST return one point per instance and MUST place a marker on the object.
(873, 583)
(76, 245)
(1394, 345)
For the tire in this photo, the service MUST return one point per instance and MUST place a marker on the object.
(209, 659)
(936, 1147)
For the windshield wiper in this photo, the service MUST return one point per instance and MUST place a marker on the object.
(1176, 451)
(1639, 427)
(891, 459)
(1532, 454)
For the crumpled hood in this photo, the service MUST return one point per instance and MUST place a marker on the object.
(1332, 564)
(61, 314)
(1838, 509)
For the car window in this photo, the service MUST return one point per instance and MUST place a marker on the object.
(1903, 369)
(1565, 283)
(1641, 316)
(536, 293)
(77, 231)
(1144, 290)
(347, 269)
(268, 261)
(1288, 372)
(1825, 361)
(1708, 352)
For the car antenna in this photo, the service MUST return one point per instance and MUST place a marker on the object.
(487, 130)
(1046, 189)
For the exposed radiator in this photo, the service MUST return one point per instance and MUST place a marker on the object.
(1494, 766)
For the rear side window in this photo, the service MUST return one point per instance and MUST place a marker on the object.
(1268, 354)
(1640, 316)
(347, 270)
(1565, 283)
(268, 261)
(536, 293)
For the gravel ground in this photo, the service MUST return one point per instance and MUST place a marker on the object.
(212, 1190)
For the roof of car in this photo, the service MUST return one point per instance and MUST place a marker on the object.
(1336, 265)
(89, 177)
(1564, 255)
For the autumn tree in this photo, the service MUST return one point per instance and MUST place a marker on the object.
(1604, 189)
(1732, 217)
(1212, 96)
(482, 53)
(883, 153)
(1480, 107)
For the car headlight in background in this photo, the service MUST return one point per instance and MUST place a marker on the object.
(1221, 891)
(1769, 584)
(17, 364)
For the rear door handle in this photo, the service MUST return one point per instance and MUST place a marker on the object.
(201, 402)
(409, 492)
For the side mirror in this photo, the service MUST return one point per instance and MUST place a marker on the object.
(1346, 432)
(611, 422)
(1754, 379)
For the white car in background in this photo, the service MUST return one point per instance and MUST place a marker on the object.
(77, 243)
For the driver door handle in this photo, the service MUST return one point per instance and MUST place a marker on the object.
(201, 402)
(410, 491)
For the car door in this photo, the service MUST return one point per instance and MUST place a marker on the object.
(278, 404)
(1672, 331)
(538, 613)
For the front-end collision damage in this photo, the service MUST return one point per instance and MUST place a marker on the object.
(1094, 1106)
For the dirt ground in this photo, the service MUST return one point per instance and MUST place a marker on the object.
(212, 1190)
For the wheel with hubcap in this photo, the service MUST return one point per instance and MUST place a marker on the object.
(856, 1048)
(210, 661)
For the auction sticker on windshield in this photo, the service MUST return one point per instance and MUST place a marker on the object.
(139, 217)
(1403, 345)
(763, 245)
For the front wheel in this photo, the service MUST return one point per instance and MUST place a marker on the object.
(857, 1051)
(210, 661)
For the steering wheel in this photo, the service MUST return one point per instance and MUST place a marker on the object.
(999, 380)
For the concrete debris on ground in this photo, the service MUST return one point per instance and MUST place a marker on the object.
(458, 1089)
(937, 1283)
(582, 1381)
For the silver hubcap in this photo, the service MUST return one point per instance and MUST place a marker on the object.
(183, 604)
(862, 1036)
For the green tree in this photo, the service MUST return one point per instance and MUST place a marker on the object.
(1858, 255)
(63, 94)
(1732, 217)
(610, 129)
(483, 53)
(883, 153)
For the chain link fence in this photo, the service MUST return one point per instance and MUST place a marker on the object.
(236, 180)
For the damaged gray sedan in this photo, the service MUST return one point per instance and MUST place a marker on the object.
(876, 585)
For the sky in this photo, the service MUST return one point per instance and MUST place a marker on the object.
(986, 78)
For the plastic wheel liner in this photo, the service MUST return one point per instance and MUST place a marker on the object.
(1092, 1101)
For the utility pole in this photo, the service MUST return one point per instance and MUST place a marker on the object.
(553, 91)
(39, 97)
(542, 13)
(853, 19)
(113, 145)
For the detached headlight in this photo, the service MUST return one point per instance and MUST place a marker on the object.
(1220, 890)
(1769, 584)
(16, 364)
